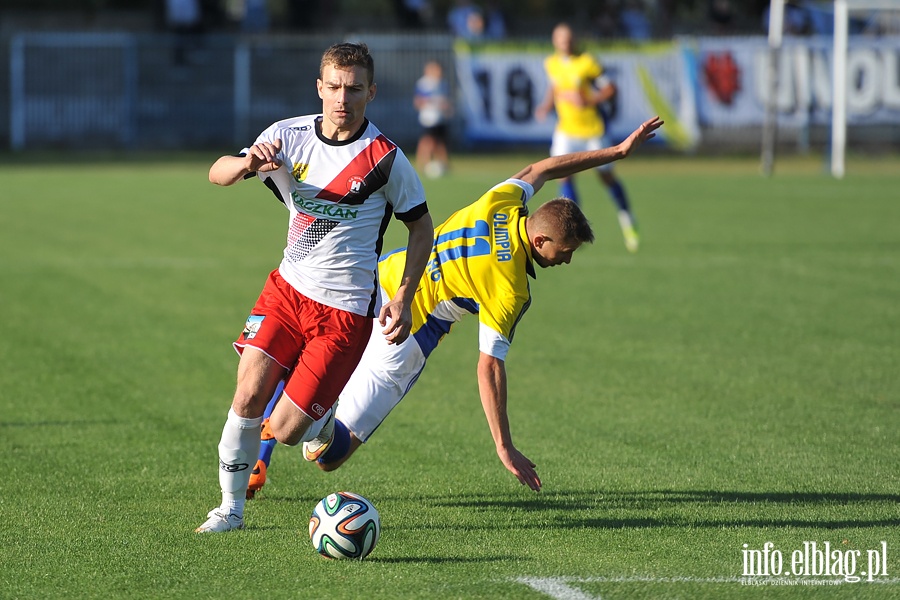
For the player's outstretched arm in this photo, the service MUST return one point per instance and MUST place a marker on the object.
(229, 170)
(492, 387)
(568, 164)
(396, 315)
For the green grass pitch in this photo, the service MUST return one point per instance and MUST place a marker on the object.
(735, 382)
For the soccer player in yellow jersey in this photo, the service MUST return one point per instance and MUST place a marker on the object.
(577, 89)
(482, 258)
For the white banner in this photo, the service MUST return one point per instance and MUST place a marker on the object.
(501, 86)
(711, 82)
(732, 81)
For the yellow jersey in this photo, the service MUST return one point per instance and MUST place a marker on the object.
(479, 264)
(575, 74)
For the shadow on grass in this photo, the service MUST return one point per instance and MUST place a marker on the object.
(307, 499)
(571, 499)
(707, 509)
(728, 523)
(440, 560)
(578, 509)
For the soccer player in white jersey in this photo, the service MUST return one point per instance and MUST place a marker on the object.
(340, 179)
(482, 258)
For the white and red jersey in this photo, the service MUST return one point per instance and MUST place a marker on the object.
(340, 195)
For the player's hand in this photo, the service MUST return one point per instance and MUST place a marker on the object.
(519, 465)
(396, 318)
(643, 133)
(264, 156)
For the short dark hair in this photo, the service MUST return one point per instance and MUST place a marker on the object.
(565, 218)
(348, 55)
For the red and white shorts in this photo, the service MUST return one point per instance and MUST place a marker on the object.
(320, 346)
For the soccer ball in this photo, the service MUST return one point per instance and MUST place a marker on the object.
(344, 525)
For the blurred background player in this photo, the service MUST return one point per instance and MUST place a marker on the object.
(482, 259)
(432, 102)
(577, 89)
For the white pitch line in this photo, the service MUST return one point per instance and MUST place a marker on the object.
(559, 588)
(555, 588)
(647, 579)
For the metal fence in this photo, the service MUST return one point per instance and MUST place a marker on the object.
(147, 91)
(164, 92)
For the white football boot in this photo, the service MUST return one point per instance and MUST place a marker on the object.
(218, 521)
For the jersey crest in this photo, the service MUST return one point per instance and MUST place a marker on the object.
(299, 171)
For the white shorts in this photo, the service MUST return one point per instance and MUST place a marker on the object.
(566, 144)
(386, 372)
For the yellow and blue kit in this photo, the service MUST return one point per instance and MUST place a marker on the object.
(479, 264)
(571, 74)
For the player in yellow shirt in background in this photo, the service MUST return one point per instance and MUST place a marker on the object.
(481, 261)
(577, 88)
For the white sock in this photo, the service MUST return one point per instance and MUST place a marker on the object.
(238, 451)
(316, 428)
(625, 220)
